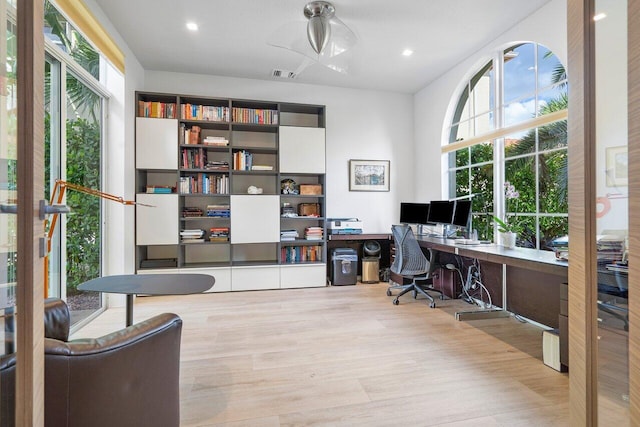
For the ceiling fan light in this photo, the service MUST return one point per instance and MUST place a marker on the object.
(318, 32)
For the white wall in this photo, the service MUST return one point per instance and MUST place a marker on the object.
(360, 125)
(611, 111)
(119, 242)
(433, 105)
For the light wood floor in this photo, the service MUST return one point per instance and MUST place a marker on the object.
(345, 356)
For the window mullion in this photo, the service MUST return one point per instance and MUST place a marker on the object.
(498, 144)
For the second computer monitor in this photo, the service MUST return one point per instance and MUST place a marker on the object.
(462, 213)
(441, 211)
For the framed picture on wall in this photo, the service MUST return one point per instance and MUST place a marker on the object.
(617, 166)
(369, 175)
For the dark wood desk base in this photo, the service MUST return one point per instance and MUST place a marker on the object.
(533, 285)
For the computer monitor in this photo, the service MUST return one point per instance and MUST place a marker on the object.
(414, 213)
(441, 211)
(462, 213)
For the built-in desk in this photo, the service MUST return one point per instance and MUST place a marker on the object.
(520, 280)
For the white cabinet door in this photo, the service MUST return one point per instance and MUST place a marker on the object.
(222, 276)
(253, 278)
(158, 224)
(303, 276)
(156, 143)
(302, 150)
(255, 218)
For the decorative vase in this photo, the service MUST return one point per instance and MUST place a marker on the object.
(509, 240)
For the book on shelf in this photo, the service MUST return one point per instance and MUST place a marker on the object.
(296, 254)
(192, 233)
(211, 113)
(190, 240)
(203, 183)
(219, 141)
(242, 160)
(217, 165)
(191, 212)
(194, 158)
(288, 235)
(313, 233)
(255, 116)
(155, 109)
(218, 211)
(159, 189)
(219, 234)
(261, 168)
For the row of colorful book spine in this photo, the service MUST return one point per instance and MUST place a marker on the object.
(204, 184)
(255, 116)
(296, 254)
(242, 160)
(161, 110)
(194, 158)
(211, 113)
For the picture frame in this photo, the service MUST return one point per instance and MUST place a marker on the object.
(617, 166)
(369, 175)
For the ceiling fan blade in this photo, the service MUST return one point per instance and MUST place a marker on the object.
(293, 36)
(335, 55)
(342, 40)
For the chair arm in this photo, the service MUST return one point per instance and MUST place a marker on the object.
(126, 378)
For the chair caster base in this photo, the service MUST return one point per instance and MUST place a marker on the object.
(432, 305)
(388, 292)
(396, 302)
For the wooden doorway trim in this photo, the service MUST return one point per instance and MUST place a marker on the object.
(30, 176)
(633, 87)
(582, 210)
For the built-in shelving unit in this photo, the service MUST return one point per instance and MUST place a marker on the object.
(210, 172)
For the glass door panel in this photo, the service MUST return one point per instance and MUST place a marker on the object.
(612, 212)
(82, 230)
(8, 171)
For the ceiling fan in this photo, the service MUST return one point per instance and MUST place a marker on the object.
(321, 38)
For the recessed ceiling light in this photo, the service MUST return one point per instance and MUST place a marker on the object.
(407, 52)
(192, 26)
(599, 16)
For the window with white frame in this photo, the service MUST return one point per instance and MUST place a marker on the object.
(507, 147)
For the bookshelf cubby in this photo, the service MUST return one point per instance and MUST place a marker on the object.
(211, 170)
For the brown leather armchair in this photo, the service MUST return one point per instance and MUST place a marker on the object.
(127, 378)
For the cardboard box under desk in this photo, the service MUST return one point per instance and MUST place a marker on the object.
(310, 189)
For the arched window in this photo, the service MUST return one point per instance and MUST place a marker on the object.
(507, 147)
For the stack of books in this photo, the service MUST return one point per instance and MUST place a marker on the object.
(218, 141)
(159, 189)
(218, 211)
(288, 235)
(217, 165)
(219, 234)
(191, 212)
(261, 168)
(610, 249)
(620, 267)
(313, 233)
(192, 236)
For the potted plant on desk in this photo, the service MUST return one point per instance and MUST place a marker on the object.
(509, 227)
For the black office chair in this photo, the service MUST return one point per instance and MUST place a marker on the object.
(410, 262)
(613, 295)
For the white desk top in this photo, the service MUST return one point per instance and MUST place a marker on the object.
(518, 257)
